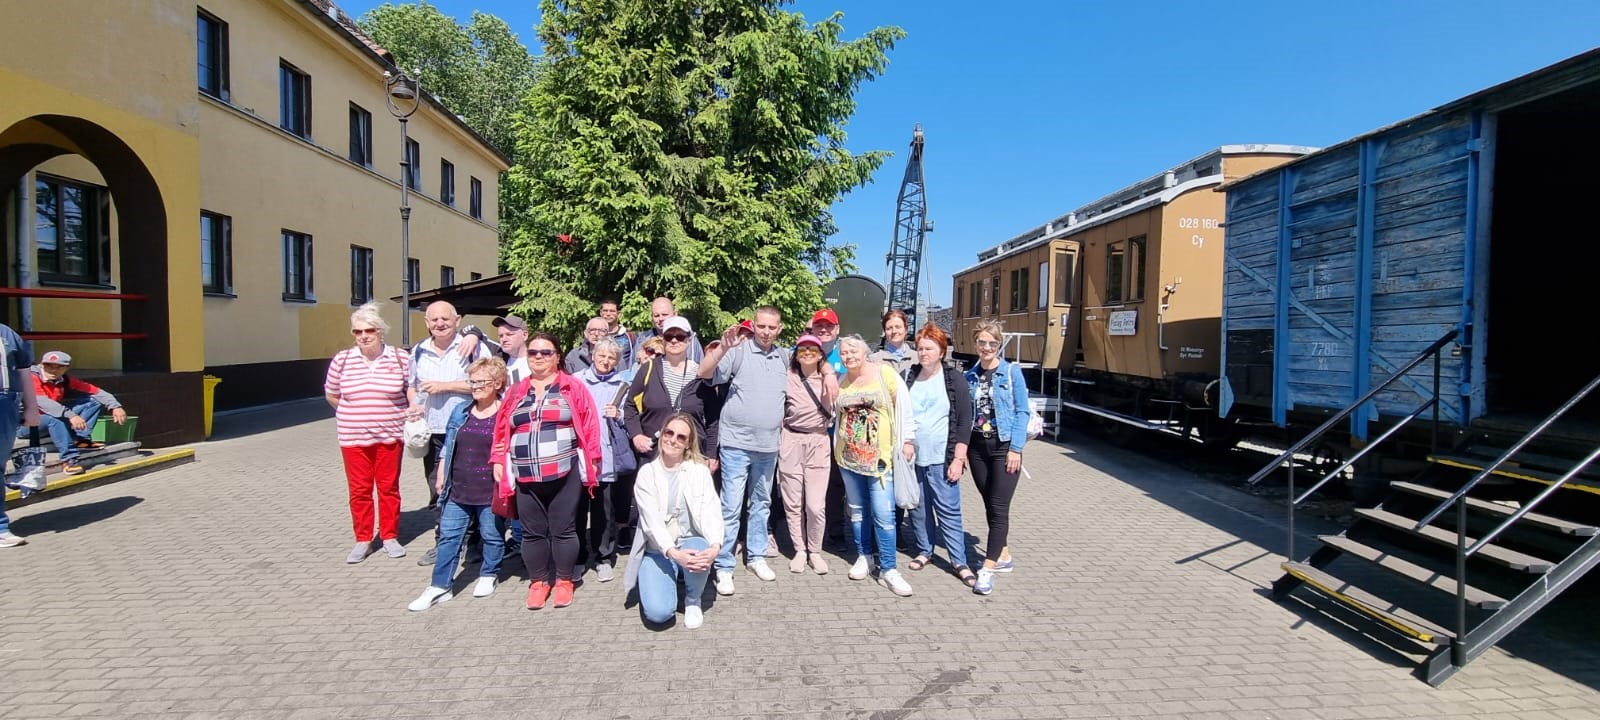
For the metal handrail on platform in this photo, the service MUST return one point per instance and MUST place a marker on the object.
(1434, 351)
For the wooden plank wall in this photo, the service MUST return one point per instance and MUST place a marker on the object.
(1417, 183)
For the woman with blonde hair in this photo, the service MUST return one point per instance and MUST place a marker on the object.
(366, 386)
(999, 430)
(465, 485)
(680, 526)
(874, 421)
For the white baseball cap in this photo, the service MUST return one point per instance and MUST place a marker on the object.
(55, 357)
(676, 321)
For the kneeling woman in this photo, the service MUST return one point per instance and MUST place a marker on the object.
(466, 486)
(680, 526)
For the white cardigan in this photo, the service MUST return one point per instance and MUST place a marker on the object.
(650, 497)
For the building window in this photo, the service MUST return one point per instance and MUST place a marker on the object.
(360, 136)
(216, 253)
(413, 165)
(447, 276)
(211, 54)
(475, 276)
(72, 231)
(1044, 284)
(414, 274)
(475, 205)
(447, 182)
(1066, 267)
(360, 275)
(294, 100)
(297, 285)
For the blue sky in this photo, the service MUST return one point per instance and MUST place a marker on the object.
(1033, 108)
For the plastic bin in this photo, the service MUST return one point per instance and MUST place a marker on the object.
(111, 433)
(210, 393)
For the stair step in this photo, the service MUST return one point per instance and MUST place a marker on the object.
(1518, 472)
(1533, 519)
(1523, 458)
(1495, 553)
(1405, 568)
(1368, 604)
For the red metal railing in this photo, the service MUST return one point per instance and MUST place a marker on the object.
(74, 295)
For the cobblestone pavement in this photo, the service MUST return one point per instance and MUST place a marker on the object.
(219, 589)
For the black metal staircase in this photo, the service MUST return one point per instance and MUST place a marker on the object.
(1405, 563)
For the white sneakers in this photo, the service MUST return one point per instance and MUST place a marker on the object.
(692, 617)
(8, 539)
(604, 573)
(484, 588)
(762, 570)
(724, 582)
(798, 564)
(891, 579)
(430, 597)
(861, 569)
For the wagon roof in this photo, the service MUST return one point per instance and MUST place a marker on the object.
(1158, 189)
(1495, 97)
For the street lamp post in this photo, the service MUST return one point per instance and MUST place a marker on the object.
(404, 95)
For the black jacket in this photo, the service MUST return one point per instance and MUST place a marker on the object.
(700, 399)
(955, 387)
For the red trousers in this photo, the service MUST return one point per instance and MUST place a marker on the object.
(374, 467)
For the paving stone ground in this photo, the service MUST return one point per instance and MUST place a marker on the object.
(219, 589)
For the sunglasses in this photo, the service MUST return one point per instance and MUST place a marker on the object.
(363, 331)
(675, 337)
(808, 350)
(674, 436)
(991, 344)
(540, 353)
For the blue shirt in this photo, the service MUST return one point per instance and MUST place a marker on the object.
(930, 407)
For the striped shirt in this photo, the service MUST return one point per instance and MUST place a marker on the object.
(675, 381)
(372, 395)
(545, 445)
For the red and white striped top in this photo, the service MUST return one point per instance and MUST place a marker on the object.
(372, 396)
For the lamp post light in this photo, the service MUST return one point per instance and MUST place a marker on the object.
(404, 95)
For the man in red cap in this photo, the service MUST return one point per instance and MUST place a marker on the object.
(825, 325)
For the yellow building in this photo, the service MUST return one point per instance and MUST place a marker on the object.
(211, 189)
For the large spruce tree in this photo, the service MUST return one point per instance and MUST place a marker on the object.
(687, 148)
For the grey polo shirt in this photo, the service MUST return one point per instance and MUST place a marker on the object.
(756, 380)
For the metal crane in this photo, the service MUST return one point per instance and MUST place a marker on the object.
(911, 228)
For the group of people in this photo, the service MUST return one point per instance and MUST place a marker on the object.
(677, 445)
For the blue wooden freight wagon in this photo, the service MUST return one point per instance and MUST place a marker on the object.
(1474, 217)
(1444, 264)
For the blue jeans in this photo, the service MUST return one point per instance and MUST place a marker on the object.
(859, 490)
(61, 432)
(659, 579)
(746, 472)
(941, 511)
(452, 529)
(10, 419)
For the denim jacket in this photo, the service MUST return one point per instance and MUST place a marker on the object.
(458, 418)
(1010, 402)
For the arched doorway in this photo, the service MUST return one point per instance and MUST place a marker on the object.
(142, 247)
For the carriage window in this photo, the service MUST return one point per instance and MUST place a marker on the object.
(1066, 266)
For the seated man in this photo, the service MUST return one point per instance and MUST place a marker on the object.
(68, 408)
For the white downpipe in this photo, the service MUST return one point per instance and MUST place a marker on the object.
(24, 236)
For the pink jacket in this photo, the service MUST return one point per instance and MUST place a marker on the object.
(585, 421)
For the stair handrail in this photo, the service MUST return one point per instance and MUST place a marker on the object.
(1323, 429)
(1515, 448)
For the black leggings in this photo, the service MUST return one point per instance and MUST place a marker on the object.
(988, 463)
(602, 519)
(549, 536)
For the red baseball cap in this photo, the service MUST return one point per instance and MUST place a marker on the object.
(825, 314)
(746, 326)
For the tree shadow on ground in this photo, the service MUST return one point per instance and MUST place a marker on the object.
(254, 421)
(72, 517)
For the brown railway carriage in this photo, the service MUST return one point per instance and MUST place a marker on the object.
(1122, 296)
